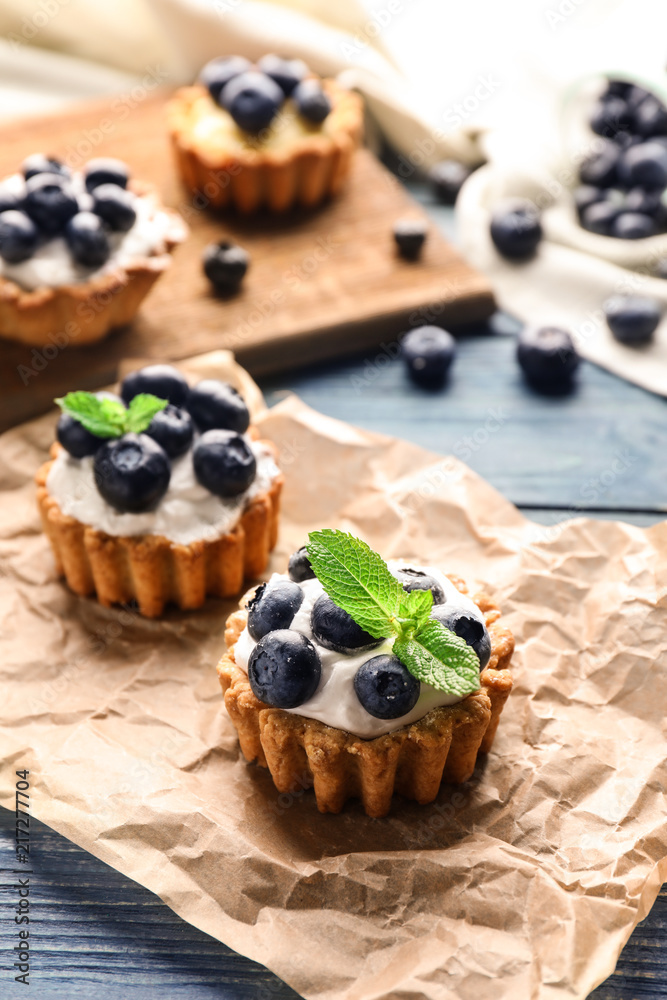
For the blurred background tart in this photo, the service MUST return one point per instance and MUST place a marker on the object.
(270, 135)
(79, 251)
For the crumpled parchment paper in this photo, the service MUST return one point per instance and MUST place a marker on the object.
(524, 884)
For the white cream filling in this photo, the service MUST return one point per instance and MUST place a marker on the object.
(187, 513)
(335, 702)
(52, 264)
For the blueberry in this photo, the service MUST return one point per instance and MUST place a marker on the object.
(385, 688)
(284, 669)
(516, 229)
(9, 201)
(311, 101)
(19, 237)
(467, 626)
(287, 73)
(428, 352)
(116, 206)
(618, 88)
(636, 95)
(173, 429)
(132, 473)
(85, 201)
(215, 404)
(416, 579)
(224, 463)
(106, 170)
(632, 319)
(599, 217)
(74, 437)
(447, 178)
(651, 118)
(40, 164)
(252, 99)
(644, 165)
(633, 226)
(162, 381)
(647, 203)
(217, 73)
(335, 629)
(547, 356)
(299, 567)
(50, 202)
(410, 236)
(225, 266)
(585, 196)
(87, 239)
(273, 607)
(611, 116)
(599, 169)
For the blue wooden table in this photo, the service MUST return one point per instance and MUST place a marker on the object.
(96, 933)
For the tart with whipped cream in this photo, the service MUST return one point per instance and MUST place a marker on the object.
(271, 135)
(163, 494)
(79, 251)
(400, 697)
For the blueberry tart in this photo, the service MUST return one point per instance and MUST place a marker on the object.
(271, 135)
(364, 678)
(163, 494)
(79, 251)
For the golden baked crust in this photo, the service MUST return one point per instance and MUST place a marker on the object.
(412, 761)
(86, 312)
(304, 171)
(152, 570)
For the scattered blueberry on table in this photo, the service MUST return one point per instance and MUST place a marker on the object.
(516, 229)
(447, 178)
(428, 353)
(632, 319)
(410, 236)
(548, 357)
(225, 265)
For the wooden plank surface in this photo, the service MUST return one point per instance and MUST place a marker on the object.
(321, 284)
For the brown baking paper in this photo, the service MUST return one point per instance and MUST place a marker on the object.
(524, 884)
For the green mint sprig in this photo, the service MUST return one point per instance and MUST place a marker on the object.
(108, 418)
(359, 581)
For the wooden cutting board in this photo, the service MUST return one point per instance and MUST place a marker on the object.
(321, 284)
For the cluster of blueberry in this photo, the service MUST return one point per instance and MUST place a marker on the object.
(623, 182)
(253, 95)
(49, 205)
(284, 668)
(132, 472)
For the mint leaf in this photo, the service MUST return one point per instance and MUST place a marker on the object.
(416, 605)
(439, 657)
(357, 580)
(92, 413)
(108, 418)
(141, 411)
